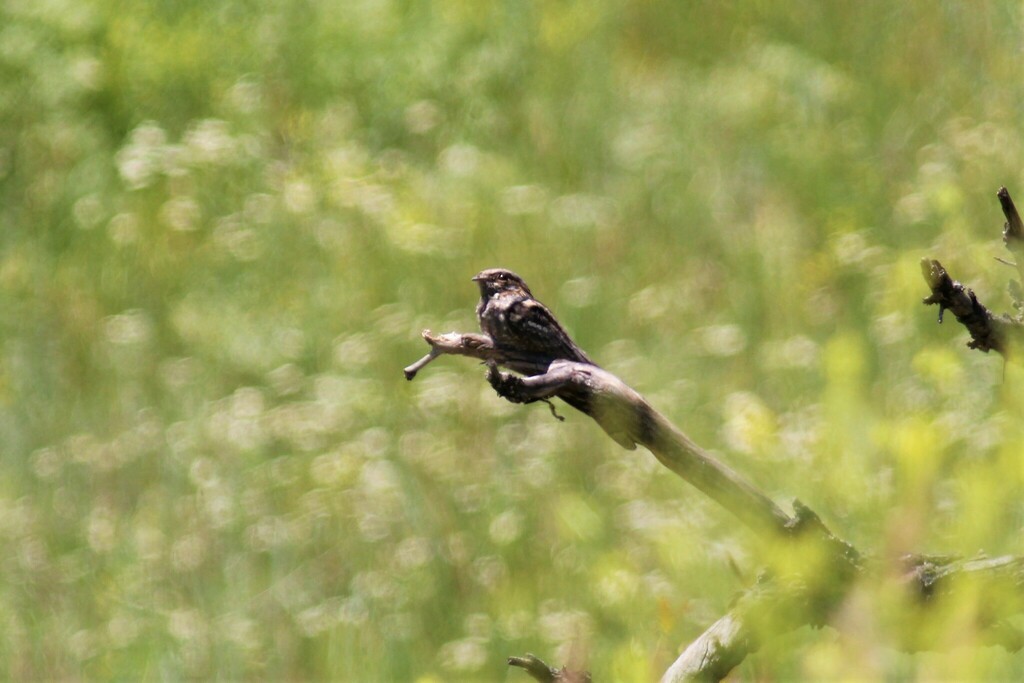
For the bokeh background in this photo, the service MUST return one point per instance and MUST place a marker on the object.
(224, 225)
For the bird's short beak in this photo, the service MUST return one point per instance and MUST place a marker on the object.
(477, 278)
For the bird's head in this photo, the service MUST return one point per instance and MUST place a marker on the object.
(494, 280)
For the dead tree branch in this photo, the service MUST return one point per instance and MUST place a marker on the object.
(630, 420)
(988, 331)
(728, 641)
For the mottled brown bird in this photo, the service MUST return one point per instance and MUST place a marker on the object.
(515, 320)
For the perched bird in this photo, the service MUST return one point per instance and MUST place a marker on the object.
(516, 321)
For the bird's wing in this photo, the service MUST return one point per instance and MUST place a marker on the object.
(534, 324)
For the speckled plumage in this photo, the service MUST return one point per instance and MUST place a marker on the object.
(514, 319)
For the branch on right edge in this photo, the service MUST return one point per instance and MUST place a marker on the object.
(996, 585)
(988, 332)
(1013, 238)
(1013, 229)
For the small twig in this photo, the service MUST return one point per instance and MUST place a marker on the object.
(411, 370)
(1005, 262)
(453, 343)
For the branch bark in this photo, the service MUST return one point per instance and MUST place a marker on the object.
(728, 641)
(625, 416)
(630, 420)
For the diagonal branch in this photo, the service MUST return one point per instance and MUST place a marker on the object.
(629, 419)
(808, 595)
(626, 417)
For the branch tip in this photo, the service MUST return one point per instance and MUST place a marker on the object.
(534, 666)
(988, 332)
(1013, 229)
(540, 671)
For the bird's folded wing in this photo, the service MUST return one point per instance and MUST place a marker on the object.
(531, 321)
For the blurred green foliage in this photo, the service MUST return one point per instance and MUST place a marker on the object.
(223, 226)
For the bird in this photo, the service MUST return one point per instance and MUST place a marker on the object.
(516, 321)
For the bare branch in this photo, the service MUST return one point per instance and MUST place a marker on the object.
(630, 420)
(764, 609)
(720, 649)
(475, 346)
(988, 331)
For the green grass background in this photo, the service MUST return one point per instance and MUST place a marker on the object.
(223, 226)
